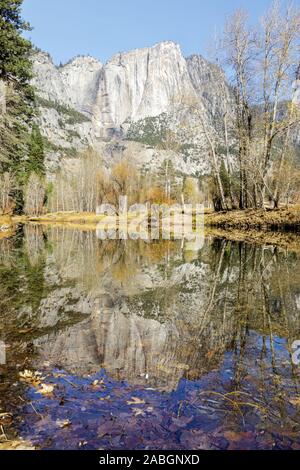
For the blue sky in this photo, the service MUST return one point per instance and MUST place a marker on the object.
(101, 28)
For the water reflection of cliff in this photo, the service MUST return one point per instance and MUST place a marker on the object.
(148, 313)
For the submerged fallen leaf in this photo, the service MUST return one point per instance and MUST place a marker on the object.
(138, 412)
(236, 438)
(45, 389)
(136, 401)
(28, 374)
(98, 384)
(210, 355)
(5, 418)
(17, 445)
(63, 423)
(107, 398)
(34, 378)
(295, 401)
(5, 415)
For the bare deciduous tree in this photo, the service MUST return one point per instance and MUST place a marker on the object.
(7, 184)
(238, 45)
(261, 66)
(34, 196)
(278, 52)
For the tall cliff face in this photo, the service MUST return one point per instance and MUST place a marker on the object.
(210, 84)
(118, 99)
(142, 83)
(74, 84)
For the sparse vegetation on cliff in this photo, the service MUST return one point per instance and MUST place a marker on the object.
(73, 116)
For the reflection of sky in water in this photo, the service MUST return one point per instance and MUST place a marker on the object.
(203, 337)
(200, 414)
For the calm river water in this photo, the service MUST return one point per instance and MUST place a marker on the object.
(136, 345)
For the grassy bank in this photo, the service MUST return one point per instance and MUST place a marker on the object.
(61, 217)
(281, 219)
(259, 227)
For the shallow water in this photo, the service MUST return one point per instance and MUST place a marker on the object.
(148, 346)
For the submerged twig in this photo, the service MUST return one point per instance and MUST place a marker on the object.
(3, 433)
(69, 382)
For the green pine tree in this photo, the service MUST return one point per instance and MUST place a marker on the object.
(35, 162)
(15, 72)
(21, 144)
(15, 65)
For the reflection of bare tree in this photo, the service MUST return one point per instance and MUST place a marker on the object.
(216, 281)
(80, 255)
(181, 320)
(6, 252)
(34, 242)
(264, 304)
(147, 310)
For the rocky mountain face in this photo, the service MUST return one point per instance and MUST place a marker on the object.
(137, 96)
(74, 84)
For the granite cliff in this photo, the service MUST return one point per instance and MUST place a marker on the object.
(136, 96)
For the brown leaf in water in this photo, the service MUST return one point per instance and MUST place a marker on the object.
(17, 445)
(295, 401)
(63, 423)
(98, 385)
(233, 436)
(136, 401)
(107, 398)
(6, 419)
(239, 440)
(33, 378)
(46, 389)
(210, 355)
(138, 412)
(27, 374)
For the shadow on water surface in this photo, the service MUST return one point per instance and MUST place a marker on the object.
(148, 345)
